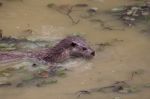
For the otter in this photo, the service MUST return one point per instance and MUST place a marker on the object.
(69, 47)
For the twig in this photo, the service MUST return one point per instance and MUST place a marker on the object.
(103, 25)
(66, 12)
(70, 17)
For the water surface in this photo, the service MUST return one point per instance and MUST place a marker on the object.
(114, 63)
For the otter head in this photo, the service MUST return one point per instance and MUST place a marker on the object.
(78, 47)
(71, 46)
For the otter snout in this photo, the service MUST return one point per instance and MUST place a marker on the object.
(89, 54)
(93, 53)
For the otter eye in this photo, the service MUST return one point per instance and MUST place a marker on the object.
(84, 48)
(73, 44)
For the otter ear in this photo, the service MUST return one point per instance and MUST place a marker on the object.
(73, 44)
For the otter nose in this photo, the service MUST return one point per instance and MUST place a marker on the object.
(93, 53)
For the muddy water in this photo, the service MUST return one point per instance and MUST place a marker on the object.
(114, 63)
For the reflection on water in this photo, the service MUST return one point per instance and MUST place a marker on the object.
(113, 63)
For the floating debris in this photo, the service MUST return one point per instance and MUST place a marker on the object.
(136, 72)
(86, 10)
(64, 9)
(104, 25)
(27, 31)
(83, 92)
(103, 45)
(120, 87)
(133, 13)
